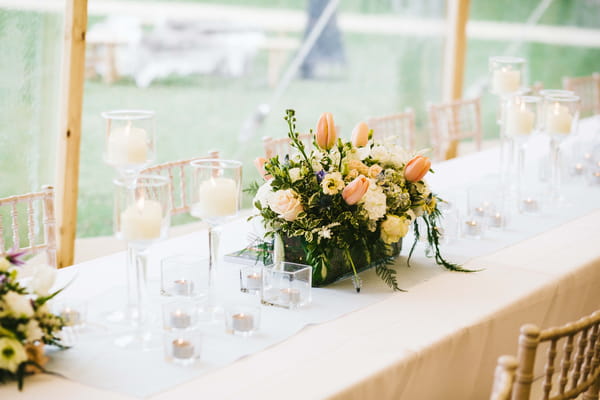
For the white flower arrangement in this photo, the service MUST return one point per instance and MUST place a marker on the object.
(26, 324)
(358, 197)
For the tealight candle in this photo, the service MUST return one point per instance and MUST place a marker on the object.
(530, 205)
(558, 119)
(183, 287)
(578, 169)
(505, 81)
(254, 281)
(242, 322)
(128, 145)
(472, 228)
(479, 211)
(519, 120)
(182, 349)
(596, 178)
(218, 197)
(180, 319)
(70, 316)
(289, 296)
(142, 220)
(497, 220)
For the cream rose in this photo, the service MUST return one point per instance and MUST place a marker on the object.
(286, 204)
(332, 183)
(393, 228)
(295, 174)
(18, 305)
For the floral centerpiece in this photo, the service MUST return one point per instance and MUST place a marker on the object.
(344, 206)
(26, 323)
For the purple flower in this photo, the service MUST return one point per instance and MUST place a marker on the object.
(320, 176)
(14, 257)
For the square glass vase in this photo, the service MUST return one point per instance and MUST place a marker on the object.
(339, 268)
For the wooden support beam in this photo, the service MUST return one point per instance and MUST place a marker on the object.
(72, 79)
(454, 56)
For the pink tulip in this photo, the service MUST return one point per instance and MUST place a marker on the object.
(355, 190)
(326, 133)
(259, 163)
(416, 168)
(360, 134)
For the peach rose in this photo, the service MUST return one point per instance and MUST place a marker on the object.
(416, 168)
(355, 190)
(259, 163)
(286, 204)
(360, 135)
(326, 134)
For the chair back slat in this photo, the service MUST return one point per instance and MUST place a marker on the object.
(452, 122)
(551, 356)
(400, 125)
(565, 364)
(176, 171)
(579, 357)
(31, 202)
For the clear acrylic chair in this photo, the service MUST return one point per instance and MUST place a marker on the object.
(572, 362)
(35, 211)
(400, 126)
(177, 172)
(452, 122)
(282, 146)
(588, 89)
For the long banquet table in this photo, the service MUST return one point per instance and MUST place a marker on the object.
(438, 340)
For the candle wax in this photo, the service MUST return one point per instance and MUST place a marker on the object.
(254, 282)
(558, 119)
(128, 145)
(183, 287)
(180, 320)
(182, 349)
(241, 322)
(519, 120)
(142, 220)
(506, 81)
(218, 197)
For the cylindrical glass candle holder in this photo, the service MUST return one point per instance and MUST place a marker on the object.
(180, 314)
(242, 319)
(182, 347)
(286, 285)
(130, 139)
(507, 75)
(184, 275)
(251, 279)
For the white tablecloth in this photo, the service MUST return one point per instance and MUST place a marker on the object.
(439, 340)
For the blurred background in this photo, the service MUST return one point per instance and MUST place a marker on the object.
(220, 74)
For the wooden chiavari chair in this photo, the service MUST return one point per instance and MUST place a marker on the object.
(177, 172)
(400, 125)
(39, 210)
(452, 122)
(588, 89)
(568, 374)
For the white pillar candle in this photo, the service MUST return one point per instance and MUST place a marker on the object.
(519, 120)
(506, 81)
(142, 220)
(217, 197)
(558, 119)
(128, 145)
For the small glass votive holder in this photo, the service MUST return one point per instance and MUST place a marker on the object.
(529, 205)
(184, 275)
(286, 285)
(593, 177)
(507, 75)
(182, 347)
(73, 314)
(242, 319)
(251, 279)
(180, 315)
(473, 227)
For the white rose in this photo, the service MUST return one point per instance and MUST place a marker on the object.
(18, 305)
(332, 183)
(294, 174)
(43, 280)
(12, 354)
(374, 201)
(380, 153)
(286, 204)
(393, 228)
(4, 264)
(33, 332)
(263, 194)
